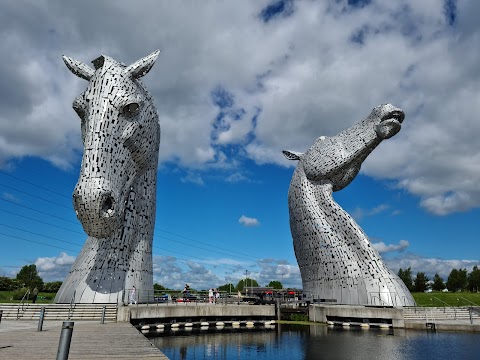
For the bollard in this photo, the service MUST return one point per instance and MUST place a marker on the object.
(65, 339)
(103, 314)
(40, 320)
(1, 313)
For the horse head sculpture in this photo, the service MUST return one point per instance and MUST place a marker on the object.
(114, 197)
(336, 259)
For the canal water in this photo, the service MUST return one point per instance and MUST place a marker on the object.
(315, 342)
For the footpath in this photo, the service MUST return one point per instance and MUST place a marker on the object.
(19, 339)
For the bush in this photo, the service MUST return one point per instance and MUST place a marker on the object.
(8, 284)
(51, 287)
(19, 293)
(298, 317)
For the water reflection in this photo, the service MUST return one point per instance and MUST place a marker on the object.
(317, 342)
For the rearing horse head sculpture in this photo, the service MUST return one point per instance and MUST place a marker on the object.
(336, 259)
(119, 122)
(114, 197)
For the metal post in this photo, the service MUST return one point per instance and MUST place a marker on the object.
(40, 319)
(1, 313)
(246, 290)
(104, 309)
(278, 310)
(65, 339)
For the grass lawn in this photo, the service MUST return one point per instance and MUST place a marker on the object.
(447, 299)
(43, 298)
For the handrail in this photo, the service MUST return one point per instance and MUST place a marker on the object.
(22, 303)
(377, 297)
(433, 318)
(72, 305)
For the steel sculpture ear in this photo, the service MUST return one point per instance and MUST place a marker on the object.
(141, 67)
(78, 68)
(292, 155)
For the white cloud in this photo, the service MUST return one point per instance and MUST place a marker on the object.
(358, 213)
(54, 268)
(315, 71)
(11, 272)
(381, 247)
(193, 178)
(430, 266)
(279, 270)
(10, 197)
(236, 177)
(248, 221)
(174, 273)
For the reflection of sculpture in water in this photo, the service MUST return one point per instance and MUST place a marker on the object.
(336, 260)
(115, 194)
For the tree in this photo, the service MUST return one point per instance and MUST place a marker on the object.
(421, 282)
(474, 279)
(406, 276)
(28, 277)
(227, 287)
(52, 287)
(250, 282)
(8, 284)
(159, 287)
(457, 280)
(275, 284)
(438, 284)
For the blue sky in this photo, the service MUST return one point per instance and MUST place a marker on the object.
(235, 84)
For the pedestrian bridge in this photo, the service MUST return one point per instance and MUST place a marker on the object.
(194, 311)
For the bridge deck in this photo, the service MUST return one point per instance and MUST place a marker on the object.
(90, 340)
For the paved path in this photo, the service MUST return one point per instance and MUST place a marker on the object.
(90, 340)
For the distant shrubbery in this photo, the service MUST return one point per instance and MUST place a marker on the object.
(458, 280)
(7, 284)
(51, 287)
(19, 293)
(298, 317)
(27, 279)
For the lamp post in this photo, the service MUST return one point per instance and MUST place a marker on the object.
(246, 290)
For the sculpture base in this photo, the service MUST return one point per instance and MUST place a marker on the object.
(385, 291)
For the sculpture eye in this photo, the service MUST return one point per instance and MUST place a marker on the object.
(131, 109)
(79, 107)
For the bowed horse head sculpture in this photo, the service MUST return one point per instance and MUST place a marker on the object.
(336, 259)
(114, 197)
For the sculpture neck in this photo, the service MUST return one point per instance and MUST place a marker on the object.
(319, 205)
(335, 218)
(340, 156)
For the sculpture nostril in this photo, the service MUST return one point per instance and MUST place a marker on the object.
(108, 205)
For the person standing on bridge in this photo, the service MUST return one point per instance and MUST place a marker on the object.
(132, 297)
(34, 295)
(186, 292)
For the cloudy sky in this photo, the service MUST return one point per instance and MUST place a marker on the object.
(235, 84)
